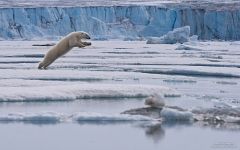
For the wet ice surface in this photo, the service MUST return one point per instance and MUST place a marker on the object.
(83, 93)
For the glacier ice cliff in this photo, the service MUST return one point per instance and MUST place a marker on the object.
(121, 22)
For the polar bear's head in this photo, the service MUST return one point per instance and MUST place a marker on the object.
(83, 35)
(75, 39)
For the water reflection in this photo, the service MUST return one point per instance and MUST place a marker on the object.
(155, 132)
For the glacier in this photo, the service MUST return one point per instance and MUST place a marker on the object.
(127, 22)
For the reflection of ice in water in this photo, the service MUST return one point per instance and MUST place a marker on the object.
(155, 132)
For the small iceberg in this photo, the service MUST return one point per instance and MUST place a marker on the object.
(169, 114)
(178, 35)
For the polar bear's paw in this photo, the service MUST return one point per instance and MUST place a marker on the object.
(40, 65)
(87, 43)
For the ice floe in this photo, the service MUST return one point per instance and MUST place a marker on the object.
(175, 115)
(80, 117)
(81, 91)
(97, 117)
(193, 73)
(38, 118)
(186, 47)
(223, 116)
(118, 75)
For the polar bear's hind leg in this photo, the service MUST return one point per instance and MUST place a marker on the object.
(40, 66)
(44, 65)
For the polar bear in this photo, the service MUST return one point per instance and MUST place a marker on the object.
(63, 46)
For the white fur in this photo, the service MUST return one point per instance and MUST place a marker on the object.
(155, 101)
(63, 46)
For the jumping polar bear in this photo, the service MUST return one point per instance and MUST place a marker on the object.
(63, 46)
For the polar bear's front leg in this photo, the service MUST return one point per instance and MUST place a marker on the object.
(87, 43)
(80, 45)
(83, 44)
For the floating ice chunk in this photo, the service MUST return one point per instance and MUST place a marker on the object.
(185, 47)
(223, 114)
(227, 83)
(230, 119)
(235, 43)
(193, 38)
(47, 117)
(53, 118)
(211, 56)
(98, 117)
(178, 35)
(169, 114)
(176, 81)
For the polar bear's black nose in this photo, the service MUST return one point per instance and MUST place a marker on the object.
(87, 36)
